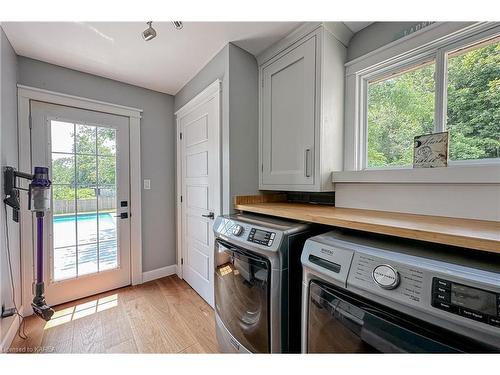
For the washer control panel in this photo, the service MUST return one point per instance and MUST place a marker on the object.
(242, 233)
(261, 237)
(237, 230)
(386, 276)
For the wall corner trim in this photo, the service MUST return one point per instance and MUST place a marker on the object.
(158, 273)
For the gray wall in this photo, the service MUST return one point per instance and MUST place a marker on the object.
(375, 36)
(237, 69)
(157, 146)
(243, 123)
(215, 69)
(9, 156)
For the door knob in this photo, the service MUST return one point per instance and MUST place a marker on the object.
(210, 215)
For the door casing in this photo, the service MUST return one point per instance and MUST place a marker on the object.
(25, 95)
(61, 291)
(212, 91)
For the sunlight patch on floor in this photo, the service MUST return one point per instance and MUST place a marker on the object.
(81, 310)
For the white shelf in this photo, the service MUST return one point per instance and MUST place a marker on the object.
(458, 174)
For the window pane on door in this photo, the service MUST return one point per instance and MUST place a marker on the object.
(106, 141)
(64, 263)
(84, 230)
(107, 170)
(87, 215)
(87, 259)
(86, 200)
(107, 216)
(63, 168)
(62, 136)
(86, 170)
(474, 101)
(400, 107)
(85, 139)
(108, 258)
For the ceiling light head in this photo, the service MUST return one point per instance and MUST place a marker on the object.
(149, 33)
(177, 24)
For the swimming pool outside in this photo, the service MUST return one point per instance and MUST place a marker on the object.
(84, 244)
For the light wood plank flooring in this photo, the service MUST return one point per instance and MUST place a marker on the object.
(161, 316)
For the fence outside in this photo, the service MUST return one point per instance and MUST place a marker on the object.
(67, 206)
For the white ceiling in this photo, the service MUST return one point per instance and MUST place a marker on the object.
(116, 50)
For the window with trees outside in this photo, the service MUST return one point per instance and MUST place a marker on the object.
(84, 227)
(403, 103)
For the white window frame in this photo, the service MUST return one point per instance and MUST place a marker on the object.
(363, 92)
(431, 43)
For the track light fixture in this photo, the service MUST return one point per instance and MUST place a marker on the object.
(149, 33)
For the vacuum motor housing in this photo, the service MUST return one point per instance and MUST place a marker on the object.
(40, 190)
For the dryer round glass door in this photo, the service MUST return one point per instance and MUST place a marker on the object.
(241, 295)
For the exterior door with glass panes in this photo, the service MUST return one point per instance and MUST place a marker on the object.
(87, 236)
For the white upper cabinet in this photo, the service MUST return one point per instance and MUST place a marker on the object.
(288, 92)
(301, 112)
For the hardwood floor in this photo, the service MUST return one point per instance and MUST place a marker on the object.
(161, 316)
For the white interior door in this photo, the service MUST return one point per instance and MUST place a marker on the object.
(199, 154)
(87, 242)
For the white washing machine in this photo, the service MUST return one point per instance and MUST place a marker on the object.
(366, 293)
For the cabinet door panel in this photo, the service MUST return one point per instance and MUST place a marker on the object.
(288, 117)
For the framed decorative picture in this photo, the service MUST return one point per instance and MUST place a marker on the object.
(430, 150)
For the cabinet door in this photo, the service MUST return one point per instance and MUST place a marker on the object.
(288, 117)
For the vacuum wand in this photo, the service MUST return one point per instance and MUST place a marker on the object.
(39, 193)
(39, 247)
(39, 202)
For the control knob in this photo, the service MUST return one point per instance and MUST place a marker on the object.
(237, 230)
(386, 276)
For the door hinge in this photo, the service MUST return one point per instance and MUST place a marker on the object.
(30, 121)
(181, 198)
(182, 261)
(180, 135)
(262, 81)
(262, 167)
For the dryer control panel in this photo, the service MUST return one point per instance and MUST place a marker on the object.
(471, 303)
(399, 281)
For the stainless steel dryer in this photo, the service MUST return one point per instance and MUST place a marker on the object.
(258, 283)
(368, 293)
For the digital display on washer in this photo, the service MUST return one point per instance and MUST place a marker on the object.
(474, 299)
(261, 235)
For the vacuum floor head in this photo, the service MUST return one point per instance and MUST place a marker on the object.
(43, 311)
(40, 307)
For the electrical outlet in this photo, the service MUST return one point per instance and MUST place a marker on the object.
(7, 312)
(147, 184)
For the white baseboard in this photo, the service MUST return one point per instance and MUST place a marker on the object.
(11, 333)
(159, 273)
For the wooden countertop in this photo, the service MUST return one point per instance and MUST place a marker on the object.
(475, 234)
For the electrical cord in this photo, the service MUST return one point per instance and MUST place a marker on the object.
(21, 331)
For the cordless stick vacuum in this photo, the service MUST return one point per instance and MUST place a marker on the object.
(39, 202)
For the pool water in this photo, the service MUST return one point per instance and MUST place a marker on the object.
(84, 244)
